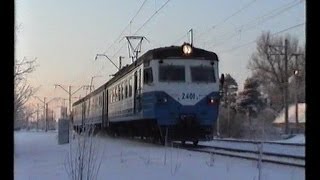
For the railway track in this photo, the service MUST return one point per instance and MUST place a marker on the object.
(256, 155)
(258, 142)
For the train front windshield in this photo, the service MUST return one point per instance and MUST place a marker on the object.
(178, 73)
(172, 73)
(202, 74)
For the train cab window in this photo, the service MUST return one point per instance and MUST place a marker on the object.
(147, 76)
(202, 74)
(171, 73)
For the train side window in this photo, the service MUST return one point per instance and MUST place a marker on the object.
(126, 89)
(121, 91)
(117, 95)
(110, 96)
(147, 76)
(118, 92)
(114, 94)
(130, 87)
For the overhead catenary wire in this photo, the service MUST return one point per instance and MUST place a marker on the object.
(120, 35)
(180, 38)
(226, 19)
(145, 23)
(148, 20)
(257, 21)
(252, 41)
(128, 25)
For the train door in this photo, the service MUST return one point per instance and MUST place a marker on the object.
(105, 119)
(103, 109)
(137, 92)
(135, 80)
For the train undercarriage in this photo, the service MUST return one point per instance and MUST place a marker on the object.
(184, 131)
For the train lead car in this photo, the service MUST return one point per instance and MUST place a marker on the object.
(168, 92)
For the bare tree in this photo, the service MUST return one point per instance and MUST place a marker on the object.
(84, 157)
(22, 90)
(268, 64)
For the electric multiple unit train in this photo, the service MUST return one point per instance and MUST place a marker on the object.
(169, 92)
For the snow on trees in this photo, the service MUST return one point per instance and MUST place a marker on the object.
(268, 65)
(250, 99)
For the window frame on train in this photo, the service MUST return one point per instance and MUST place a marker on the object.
(147, 76)
(203, 72)
(164, 72)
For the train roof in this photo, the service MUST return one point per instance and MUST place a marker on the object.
(171, 52)
(176, 52)
(163, 53)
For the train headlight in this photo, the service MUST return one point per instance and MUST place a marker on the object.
(186, 49)
(212, 100)
(162, 99)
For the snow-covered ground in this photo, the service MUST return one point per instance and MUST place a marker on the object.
(298, 138)
(37, 155)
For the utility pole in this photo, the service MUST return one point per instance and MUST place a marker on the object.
(70, 93)
(285, 83)
(44, 110)
(46, 128)
(92, 81)
(107, 58)
(296, 74)
(37, 117)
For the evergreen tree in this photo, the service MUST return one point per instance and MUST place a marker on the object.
(250, 98)
(230, 88)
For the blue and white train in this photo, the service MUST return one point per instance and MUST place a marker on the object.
(168, 92)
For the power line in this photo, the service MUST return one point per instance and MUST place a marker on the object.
(151, 17)
(250, 42)
(138, 11)
(130, 22)
(180, 38)
(227, 18)
(120, 35)
(260, 19)
(292, 27)
(147, 21)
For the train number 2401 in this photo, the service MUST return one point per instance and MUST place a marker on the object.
(188, 96)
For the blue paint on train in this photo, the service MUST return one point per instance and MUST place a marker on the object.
(167, 111)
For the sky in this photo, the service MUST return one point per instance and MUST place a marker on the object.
(65, 36)
(38, 155)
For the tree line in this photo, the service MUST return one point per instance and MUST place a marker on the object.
(249, 112)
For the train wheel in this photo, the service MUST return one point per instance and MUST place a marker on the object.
(195, 143)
